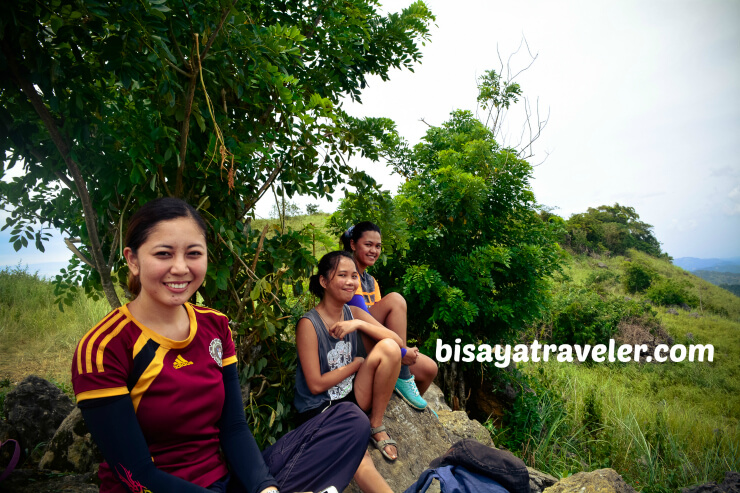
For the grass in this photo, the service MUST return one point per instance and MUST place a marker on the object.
(35, 337)
(662, 426)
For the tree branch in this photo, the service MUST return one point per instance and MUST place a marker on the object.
(174, 42)
(178, 69)
(184, 134)
(78, 254)
(218, 29)
(89, 212)
(265, 186)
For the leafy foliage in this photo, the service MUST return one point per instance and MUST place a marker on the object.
(582, 316)
(612, 229)
(637, 277)
(106, 106)
(478, 251)
(479, 254)
(667, 292)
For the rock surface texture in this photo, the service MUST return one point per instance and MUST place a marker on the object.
(72, 448)
(538, 481)
(421, 438)
(599, 481)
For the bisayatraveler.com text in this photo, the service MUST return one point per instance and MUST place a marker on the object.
(503, 355)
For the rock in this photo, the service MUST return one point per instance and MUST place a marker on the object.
(421, 438)
(35, 481)
(731, 484)
(599, 481)
(602, 265)
(435, 398)
(694, 315)
(35, 409)
(538, 481)
(459, 426)
(72, 448)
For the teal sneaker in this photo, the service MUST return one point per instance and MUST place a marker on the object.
(409, 393)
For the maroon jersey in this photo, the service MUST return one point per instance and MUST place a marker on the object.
(176, 388)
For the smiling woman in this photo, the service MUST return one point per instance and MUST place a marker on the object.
(157, 383)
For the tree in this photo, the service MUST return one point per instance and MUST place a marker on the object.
(472, 254)
(613, 229)
(479, 254)
(108, 105)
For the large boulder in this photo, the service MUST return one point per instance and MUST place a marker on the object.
(421, 438)
(35, 409)
(436, 399)
(599, 481)
(459, 426)
(72, 448)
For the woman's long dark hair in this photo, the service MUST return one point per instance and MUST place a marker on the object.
(327, 266)
(354, 233)
(146, 219)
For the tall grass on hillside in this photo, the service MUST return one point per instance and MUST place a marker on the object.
(35, 337)
(662, 426)
(589, 417)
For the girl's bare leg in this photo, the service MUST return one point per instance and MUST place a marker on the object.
(424, 371)
(391, 312)
(369, 479)
(374, 384)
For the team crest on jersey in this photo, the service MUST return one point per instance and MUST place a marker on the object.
(217, 350)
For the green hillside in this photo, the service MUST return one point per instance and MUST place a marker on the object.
(662, 426)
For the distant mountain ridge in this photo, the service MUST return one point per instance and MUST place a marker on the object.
(692, 264)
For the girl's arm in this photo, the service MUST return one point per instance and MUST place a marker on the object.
(308, 352)
(367, 324)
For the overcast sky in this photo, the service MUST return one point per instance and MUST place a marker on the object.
(644, 102)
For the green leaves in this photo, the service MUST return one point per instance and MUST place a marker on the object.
(480, 254)
(144, 108)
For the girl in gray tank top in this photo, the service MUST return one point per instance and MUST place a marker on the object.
(332, 341)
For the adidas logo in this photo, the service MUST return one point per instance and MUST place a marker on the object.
(180, 362)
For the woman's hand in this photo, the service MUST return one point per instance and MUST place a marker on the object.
(411, 354)
(340, 329)
(359, 360)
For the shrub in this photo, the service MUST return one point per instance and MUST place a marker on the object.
(637, 277)
(667, 292)
(583, 317)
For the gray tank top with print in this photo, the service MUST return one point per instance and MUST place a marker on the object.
(333, 354)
